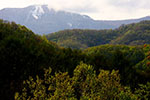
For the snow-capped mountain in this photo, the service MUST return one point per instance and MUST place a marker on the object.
(42, 20)
(37, 12)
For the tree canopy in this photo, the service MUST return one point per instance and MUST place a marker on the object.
(33, 67)
(132, 34)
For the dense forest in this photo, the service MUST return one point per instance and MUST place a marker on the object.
(33, 68)
(132, 34)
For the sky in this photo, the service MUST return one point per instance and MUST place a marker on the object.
(96, 9)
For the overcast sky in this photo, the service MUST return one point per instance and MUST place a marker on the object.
(97, 9)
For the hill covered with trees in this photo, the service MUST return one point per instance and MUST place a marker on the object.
(34, 68)
(77, 38)
(132, 34)
(24, 54)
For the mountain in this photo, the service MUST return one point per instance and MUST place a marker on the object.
(131, 34)
(81, 39)
(42, 20)
(117, 23)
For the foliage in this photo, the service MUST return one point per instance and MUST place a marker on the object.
(84, 84)
(118, 57)
(135, 34)
(81, 39)
(24, 54)
(143, 67)
(127, 94)
(132, 34)
(143, 92)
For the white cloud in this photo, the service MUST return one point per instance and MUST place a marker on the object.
(97, 9)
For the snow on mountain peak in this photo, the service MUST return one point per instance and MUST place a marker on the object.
(70, 25)
(37, 12)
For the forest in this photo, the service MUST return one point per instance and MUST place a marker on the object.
(75, 64)
(131, 34)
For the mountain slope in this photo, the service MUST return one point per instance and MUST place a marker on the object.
(132, 34)
(42, 20)
(80, 39)
(136, 34)
(24, 54)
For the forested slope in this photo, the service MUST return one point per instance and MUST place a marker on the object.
(132, 34)
(135, 34)
(101, 72)
(24, 54)
(109, 72)
(81, 39)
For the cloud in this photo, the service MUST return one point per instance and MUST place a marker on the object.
(72, 5)
(124, 3)
(122, 9)
(97, 9)
(130, 5)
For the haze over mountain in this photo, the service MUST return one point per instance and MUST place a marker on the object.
(42, 20)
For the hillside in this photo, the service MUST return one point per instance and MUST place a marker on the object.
(131, 34)
(134, 34)
(77, 38)
(109, 72)
(24, 54)
(34, 68)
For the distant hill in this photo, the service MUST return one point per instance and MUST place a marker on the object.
(77, 38)
(118, 23)
(132, 34)
(42, 20)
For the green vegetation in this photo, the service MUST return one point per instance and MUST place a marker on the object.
(83, 85)
(81, 39)
(132, 34)
(34, 68)
(24, 54)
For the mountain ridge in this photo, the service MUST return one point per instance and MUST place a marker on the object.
(43, 20)
(131, 34)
